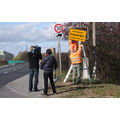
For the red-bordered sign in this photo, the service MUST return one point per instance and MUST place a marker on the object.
(58, 28)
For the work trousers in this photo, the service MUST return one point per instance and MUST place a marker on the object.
(76, 72)
(35, 73)
(50, 76)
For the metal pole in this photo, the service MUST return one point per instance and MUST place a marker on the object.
(94, 50)
(86, 63)
(59, 50)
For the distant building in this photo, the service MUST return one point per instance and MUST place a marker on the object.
(5, 55)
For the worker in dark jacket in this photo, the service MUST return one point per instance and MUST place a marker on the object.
(33, 59)
(48, 64)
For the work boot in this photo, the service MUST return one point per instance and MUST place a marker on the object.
(79, 81)
(30, 91)
(74, 81)
(55, 92)
(36, 90)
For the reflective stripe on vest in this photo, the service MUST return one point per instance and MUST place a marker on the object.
(76, 60)
(76, 57)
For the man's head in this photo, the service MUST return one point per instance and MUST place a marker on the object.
(48, 52)
(31, 47)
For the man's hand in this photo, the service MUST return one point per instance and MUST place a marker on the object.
(40, 61)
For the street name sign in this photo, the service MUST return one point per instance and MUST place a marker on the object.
(77, 35)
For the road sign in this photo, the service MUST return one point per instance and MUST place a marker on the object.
(77, 35)
(58, 28)
(58, 35)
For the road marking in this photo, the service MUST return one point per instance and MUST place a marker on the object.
(5, 72)
(14, 69)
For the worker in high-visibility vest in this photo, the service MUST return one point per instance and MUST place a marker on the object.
(75, 57)
(73, 45)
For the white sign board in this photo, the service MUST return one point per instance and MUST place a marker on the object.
(58, 35)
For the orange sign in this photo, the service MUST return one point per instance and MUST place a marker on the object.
(77, 35)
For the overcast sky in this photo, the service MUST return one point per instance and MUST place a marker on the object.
(17, 36)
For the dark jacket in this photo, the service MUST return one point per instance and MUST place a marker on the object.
(34, 60)
(48, 63)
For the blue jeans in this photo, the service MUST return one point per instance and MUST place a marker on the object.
(33, 72)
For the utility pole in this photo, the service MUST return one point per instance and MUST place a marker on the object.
(94, 50)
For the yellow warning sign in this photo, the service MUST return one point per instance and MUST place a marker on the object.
(77, 35)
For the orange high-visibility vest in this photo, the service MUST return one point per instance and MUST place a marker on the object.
(73, 45)
(76, 56)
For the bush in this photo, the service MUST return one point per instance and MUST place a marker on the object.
(65, 60)
(21, 56)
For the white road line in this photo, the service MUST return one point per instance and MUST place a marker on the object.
(5, 72)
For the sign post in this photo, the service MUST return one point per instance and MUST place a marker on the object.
(59, 49)
(59, 28)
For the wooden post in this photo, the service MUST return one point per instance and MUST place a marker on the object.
(94, 50)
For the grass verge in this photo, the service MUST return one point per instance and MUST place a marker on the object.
(84, 89)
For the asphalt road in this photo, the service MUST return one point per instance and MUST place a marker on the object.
(11, 73)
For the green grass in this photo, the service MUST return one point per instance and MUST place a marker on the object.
(85, 90)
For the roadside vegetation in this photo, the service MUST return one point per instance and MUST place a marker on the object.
(107, 49)
(21, 56)
(108, 64)
(3, 62)
(84, 90)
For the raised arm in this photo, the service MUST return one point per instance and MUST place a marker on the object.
(80, 46)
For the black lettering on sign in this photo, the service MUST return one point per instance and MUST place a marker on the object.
(78, 32)
(77, 35)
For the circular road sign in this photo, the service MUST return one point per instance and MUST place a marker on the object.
(58, 28)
